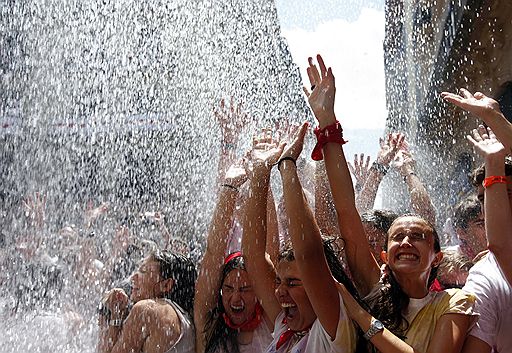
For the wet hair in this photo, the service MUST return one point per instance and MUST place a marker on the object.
(466, 211)
(380, 219)
(219, 336)
(332, 255)
(478, 175)
(182, 270)
(453, 261)
(387, 300)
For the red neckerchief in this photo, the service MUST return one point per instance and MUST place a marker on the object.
(436, 286)
(249, 325)
(288, 334)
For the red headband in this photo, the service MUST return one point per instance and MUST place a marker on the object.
(232, 256)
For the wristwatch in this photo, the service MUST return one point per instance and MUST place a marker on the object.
(116, 322)
(375, 327)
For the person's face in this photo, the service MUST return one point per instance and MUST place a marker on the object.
(376, 239)
(473, 239)
(238, 296)
(292, 296)
(411, 247)
(146, 280)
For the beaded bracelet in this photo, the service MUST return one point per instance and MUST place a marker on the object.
(495, 179)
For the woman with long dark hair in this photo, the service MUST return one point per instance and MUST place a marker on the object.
(404, 315)
(227, 314)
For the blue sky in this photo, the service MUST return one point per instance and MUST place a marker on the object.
(349, 35)
(307, 14)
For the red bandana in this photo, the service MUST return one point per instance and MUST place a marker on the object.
(249, 325)
(288, 334)
(330, 133)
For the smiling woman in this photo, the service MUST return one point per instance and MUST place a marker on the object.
(404, 315)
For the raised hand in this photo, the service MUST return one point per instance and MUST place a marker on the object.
(360, 169)
(390, 147)
(236, 175)
(486, 143)
(404, 162)
(323, 91)
(231, 120)
(92, 213)
(478, 103)
(295, 139)
(34, 207)
(265, 152)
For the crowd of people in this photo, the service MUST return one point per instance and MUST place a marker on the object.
(317, 269)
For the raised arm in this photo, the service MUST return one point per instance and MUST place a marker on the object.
(306, 240)
(498, 214)
(420, 198)
(363, 265)
(486, 109)
(209, 278)
(264, 154)
(272, 248)
(231, 120)
(388, 150)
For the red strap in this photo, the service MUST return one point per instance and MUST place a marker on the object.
(249, 325)
(330, 133)
(232, 256)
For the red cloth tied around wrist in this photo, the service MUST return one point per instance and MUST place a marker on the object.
(249, 325)
(330, 133)
(494, 179)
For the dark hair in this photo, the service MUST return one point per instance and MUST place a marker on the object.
(380, 219)
(332, 255)
(466, 211)
(182, 270)
(387, 300)
(219, 336)
(453, 260)
(478, 175)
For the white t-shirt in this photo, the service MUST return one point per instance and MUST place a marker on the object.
(317, 340)
(260, 340)
(494, 304)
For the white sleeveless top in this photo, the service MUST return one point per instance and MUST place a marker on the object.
(186, 343)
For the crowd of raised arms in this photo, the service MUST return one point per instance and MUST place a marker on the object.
(318, 269)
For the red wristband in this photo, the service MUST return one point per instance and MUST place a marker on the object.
(495, 179)
(330, 133)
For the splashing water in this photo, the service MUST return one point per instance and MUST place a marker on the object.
(111, 101)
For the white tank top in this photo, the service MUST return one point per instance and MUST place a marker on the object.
(186, 343)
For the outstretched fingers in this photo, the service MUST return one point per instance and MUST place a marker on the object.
(323, 69)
